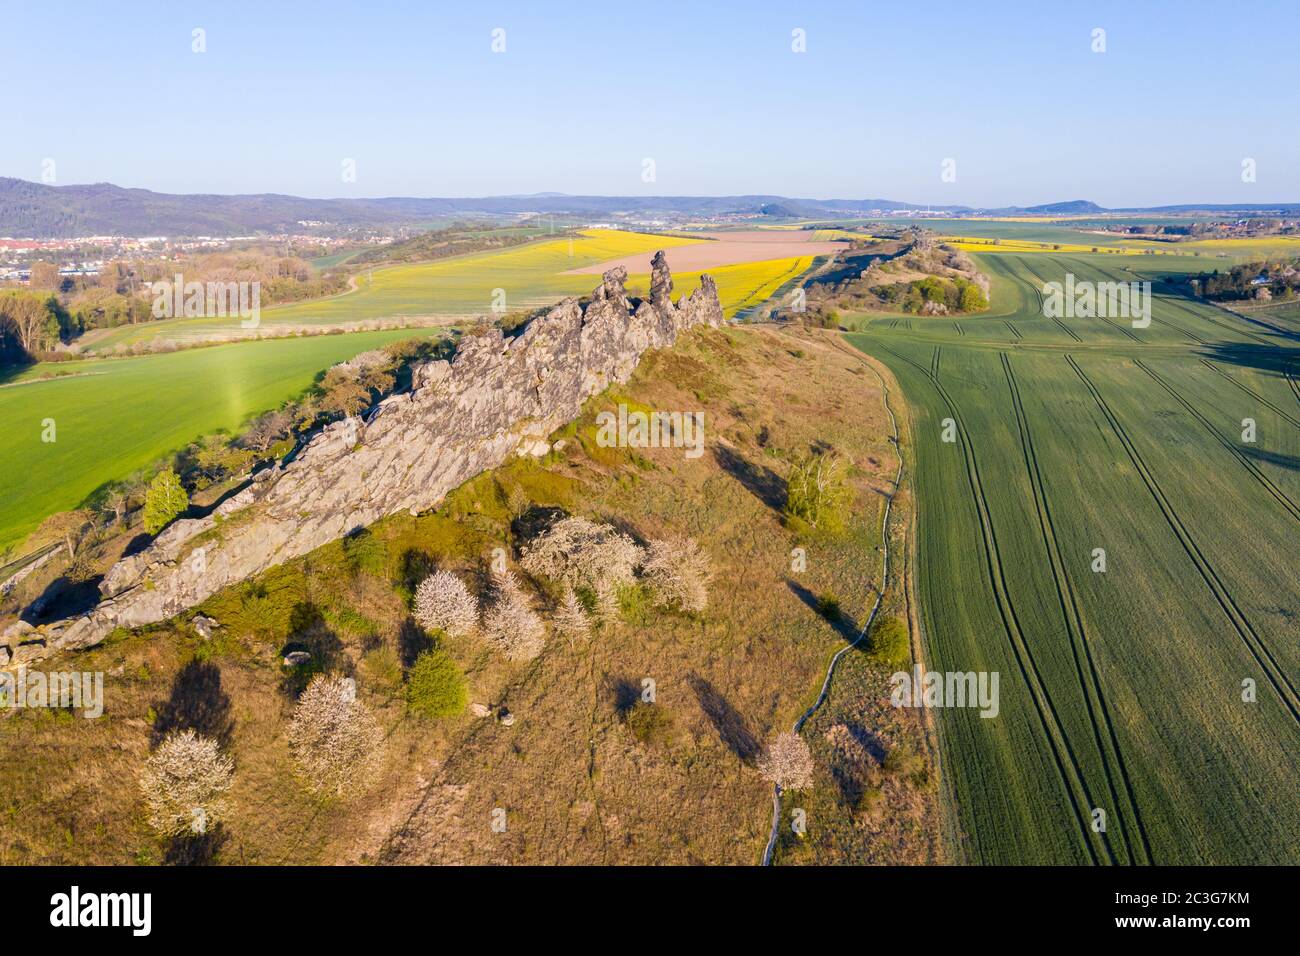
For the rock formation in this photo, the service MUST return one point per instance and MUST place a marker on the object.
(495, 398)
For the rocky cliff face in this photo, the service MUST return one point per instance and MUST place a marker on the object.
(496, 398)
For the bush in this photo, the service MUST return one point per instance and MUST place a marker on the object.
(164, 501)
(435, 686)
(890, 642)
(828, 606)
(649, 723)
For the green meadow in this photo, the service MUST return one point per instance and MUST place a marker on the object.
(113, 416)
(1121, 688)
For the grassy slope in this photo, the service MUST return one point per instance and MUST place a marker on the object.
(576, 785)
(1120, 690)
(114, 416)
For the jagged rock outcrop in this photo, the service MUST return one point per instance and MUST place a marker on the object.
(497, 397)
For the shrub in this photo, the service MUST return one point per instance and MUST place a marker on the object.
(788, 762)
(817, 491)
(677, 573)
(443, 602)
(333, 736)
(164, 501)
(649, 723)
(184, 783)
(890, 643)
(435, 686)
(510, 623)
(828, 606)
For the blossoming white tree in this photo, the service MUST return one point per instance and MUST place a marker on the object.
(184, 783)
(788, 762)
(334, 738)
(678, 573)
(443, 602)
(510, 622)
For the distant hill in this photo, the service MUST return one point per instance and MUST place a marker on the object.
(36, 210)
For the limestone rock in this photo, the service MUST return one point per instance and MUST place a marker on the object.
(461, 418)
(480, 710)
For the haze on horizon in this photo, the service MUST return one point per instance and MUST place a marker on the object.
(721, 103)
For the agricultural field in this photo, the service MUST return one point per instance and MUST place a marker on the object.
(1123, 674)
(456, 288)
(113, 416)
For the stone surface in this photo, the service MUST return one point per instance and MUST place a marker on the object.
(480, 710)
(204, 626)
(496, 397)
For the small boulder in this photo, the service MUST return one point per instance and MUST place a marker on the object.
(296, 658)
(204, 625)
(506, 718)
(480, 710)
(27, 652)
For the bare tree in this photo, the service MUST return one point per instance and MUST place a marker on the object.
(184, 783)
(333, 736)
(443, 602)
(787, 762)
(511, 623)
(678, 573)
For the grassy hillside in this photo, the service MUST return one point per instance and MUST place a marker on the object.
(580, 779)
(1121, 690)
(114, 416)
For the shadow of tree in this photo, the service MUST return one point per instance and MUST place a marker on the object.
(196, 849)
(412, 641)
(762, 482)
(197, 702)
(624, 693)
(308, 631)
(726, 720)
(1273, 359)
(844, 625)
(1272, 457)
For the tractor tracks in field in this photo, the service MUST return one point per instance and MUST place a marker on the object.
(1245, 630)
(1108, 747)
(1278, 494)
(1067, 764)
(1256, 396)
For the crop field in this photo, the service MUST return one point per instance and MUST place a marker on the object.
(113, 416)
(1125, 687)
(531, 276)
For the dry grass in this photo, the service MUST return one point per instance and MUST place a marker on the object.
(575, 782)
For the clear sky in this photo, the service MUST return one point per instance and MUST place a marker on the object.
(712, 92)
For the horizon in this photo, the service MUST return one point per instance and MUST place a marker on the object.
(555, 194)
(276, 101)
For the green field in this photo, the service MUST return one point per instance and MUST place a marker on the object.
(113, 416)
(1120, 690)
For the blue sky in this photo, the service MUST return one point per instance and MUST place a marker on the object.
(711, 92)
